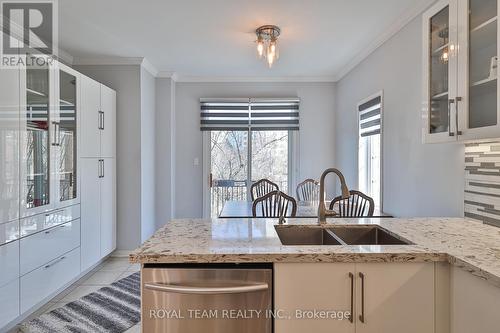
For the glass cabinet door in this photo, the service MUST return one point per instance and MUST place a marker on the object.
(67, 137)
(482, 63)
(37, 139)
(439, 63)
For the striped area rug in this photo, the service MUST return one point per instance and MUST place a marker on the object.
(111, 309)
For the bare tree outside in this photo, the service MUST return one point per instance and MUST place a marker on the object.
(229, 163)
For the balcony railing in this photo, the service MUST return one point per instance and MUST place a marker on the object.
(232, 190)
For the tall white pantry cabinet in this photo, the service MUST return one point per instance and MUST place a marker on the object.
(57, 183)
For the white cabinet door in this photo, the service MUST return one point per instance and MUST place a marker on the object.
(90, 118)
(478, 89)
(90, 212)
(67, 107)
(108, 133)
(395, 298)
(9, 262)
(108, 207)
(439, 72)
(9, 306)
(474, 303)
(300, 287)
(9, 144)
(38, 137)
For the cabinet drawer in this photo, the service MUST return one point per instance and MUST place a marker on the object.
(9, 306)
(40, 222)
(38, 249)
(42, 282)
(9, 263)
(9, 232)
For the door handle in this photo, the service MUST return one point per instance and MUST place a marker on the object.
(450, 101)
(362, 315)
(102, 163)
(101, 120)
(458, 99)
(180, 289)
(100, 168)
(351, 316)
(55, 262)
(56, 141)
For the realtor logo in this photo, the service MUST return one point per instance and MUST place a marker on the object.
(29, 31)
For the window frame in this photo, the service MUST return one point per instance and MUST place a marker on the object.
(361, 102)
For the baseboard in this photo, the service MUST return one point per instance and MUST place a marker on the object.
(120, 254)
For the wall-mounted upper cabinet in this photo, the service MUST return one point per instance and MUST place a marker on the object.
(460, 53)
(98, 120)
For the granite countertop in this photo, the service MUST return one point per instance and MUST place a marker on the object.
(466, 243)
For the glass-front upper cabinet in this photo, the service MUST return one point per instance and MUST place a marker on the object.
(461, 91)
(66, 146)
(439, 83)
(478, 89)
(36, 139)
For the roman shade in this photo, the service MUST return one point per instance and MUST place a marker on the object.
(249, 113)
(369, 117)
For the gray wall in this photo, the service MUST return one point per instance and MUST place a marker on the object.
(148, 152)
(418, 179)
(126, 80)
(316, 134)
(164, 149)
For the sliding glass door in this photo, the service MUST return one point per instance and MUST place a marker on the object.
(238, 158)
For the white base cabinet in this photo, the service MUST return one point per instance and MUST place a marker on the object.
(474, 305)
(9, 306)
(39, 284)
(384, 297)
(98, 209)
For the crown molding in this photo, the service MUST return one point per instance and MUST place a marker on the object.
(235, 79)
(149, 67)
(403, 20)
(108, 61)
(167, 75)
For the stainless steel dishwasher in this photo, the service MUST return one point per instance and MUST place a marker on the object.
(208, 299)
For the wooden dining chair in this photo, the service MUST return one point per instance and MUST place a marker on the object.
(308, 190)
(357, 205)
(274, 204)
(262, 187)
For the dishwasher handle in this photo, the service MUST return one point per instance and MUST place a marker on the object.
(179, 289)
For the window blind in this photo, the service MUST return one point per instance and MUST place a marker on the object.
(369, 117)
(250, 113)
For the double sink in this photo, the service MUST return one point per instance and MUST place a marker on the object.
(337, 235)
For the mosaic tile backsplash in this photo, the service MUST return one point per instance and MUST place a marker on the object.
(482, 182)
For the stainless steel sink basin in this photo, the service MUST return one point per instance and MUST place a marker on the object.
(300, 235)
(336, 235)
(367, 235)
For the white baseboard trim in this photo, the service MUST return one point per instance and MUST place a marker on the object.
(120, 254)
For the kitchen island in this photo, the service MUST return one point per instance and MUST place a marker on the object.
(447, 260)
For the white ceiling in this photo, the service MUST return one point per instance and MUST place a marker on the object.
(215, 38)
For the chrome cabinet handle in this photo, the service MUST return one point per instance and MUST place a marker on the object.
(450, 101)
(52, 229)
(57, 136)
(101, 120)
(179, 289)
(458, 99)
(362, 315)
(102, 163)
(54, 212)
(351, 316)
(55, 262)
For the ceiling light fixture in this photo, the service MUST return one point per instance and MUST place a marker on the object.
(267, 43)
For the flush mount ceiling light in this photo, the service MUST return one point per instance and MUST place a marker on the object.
(267, 43)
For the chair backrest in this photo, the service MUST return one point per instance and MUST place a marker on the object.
(274, 204)
(357, 205)
(308, 190)
(262, 187)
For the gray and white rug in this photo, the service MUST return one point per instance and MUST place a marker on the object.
(111, 309)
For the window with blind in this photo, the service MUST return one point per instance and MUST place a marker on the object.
(370, 148)
(250, 139)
